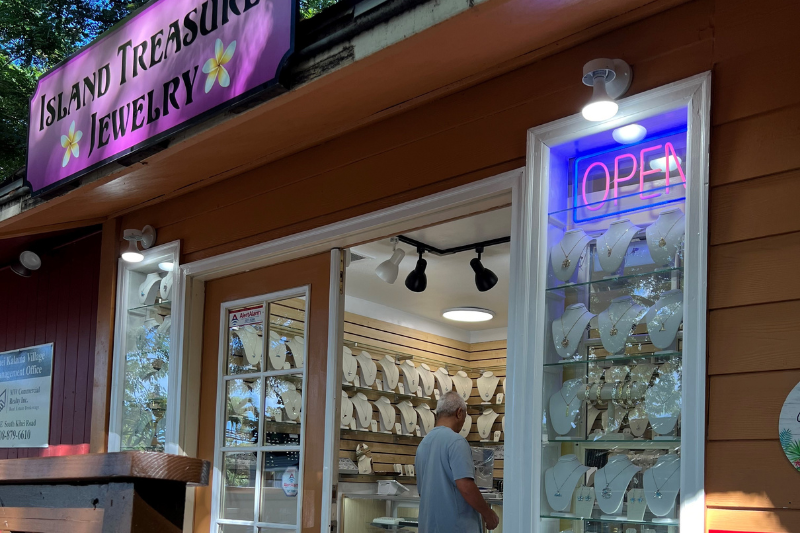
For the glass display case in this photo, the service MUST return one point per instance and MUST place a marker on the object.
(143, 352)
(613, 349)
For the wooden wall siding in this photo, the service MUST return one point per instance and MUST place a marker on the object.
(57, 304)
(754, 292)
(388, 450)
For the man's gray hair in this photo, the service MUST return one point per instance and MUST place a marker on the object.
(450, 403)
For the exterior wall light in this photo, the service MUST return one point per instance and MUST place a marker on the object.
(610, 79)
(146, 236)
(26, 264)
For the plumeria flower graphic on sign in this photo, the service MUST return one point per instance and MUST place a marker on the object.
(70, 142)
(214, 66)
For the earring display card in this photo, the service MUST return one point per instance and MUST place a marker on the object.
(613, 338)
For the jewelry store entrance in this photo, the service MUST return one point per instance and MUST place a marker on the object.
(262, 398)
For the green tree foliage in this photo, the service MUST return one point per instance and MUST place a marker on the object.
(309, 8)
(35, 35)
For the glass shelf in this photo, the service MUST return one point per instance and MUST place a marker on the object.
(166, 304)
(672, 198)
(620, 520)
(618, 282)
(609, 444)
(609, 361)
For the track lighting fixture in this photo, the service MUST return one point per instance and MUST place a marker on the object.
(610, 79)
(26, 263)
(389, 269)
(417, 281)
(146, 236)
(485, 279)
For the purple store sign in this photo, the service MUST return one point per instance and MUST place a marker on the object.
(172, 64)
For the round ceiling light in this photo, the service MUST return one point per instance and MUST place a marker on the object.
(630, 134)
(468, 314)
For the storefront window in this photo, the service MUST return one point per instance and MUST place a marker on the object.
(261, 436)
(143, 352)
(613, 354)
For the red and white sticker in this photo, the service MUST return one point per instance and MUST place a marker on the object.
(247, 316)
(289, 482)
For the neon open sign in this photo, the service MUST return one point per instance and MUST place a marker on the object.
(629, 178)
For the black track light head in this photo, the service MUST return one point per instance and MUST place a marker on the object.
(485, 279)
(417, 281)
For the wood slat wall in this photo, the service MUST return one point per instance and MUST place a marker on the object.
(436, 352)
(57, 304)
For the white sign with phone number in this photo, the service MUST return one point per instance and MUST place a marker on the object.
(25, 386)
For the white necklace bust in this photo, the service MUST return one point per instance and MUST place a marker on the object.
(388, 415)
(347, 411)
(661, 484)
(298, 347)
(426, 380)
(568, 330)
(615, 322)
(463, 384)
(662, 402)
(611, 483)
(485, 423)
(276, 351)
(349, 365)
(665, 318)
(292, 402)
(363, 411)
(391, 374)
(565, 254)
(467, 426)
(408, 417)
(410, 376)
(367, 369)
(444, 380)
(560, 481)
(664, 236)
(426, 418)
(612, 246)
(565, 405)
(487, 384)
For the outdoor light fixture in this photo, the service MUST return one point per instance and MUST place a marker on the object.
(610, 79)
(26, 264)
(417, 281)
(485, 279)
(166, 266)
(389, 269)
(468, 314)
(146, 236)
(630, 134)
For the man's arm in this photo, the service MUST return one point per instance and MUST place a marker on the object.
(469, 490)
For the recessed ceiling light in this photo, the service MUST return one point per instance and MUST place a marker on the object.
(468, 314)
(630, 134)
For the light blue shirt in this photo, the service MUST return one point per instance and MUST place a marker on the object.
(444, 456)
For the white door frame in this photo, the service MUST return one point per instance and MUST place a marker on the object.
(454, 203)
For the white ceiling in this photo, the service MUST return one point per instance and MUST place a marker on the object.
(451, 281)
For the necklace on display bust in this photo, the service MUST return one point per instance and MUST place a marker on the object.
(467, 426)
(487, 384)
(349, 365)
(387, 414)
(622, 314)
(664, 235)
(277, 351)
(612, 246)
(347, 410)
(564, 256)
(410, 376)
(463, 384)
(363, 410)
(298, 348)
(606, 493)
(558, 487)
(444, 380)
(369, 370)
(426, 380)
(408, 416)
(568, 329)
(391, 374)
(485, 423)
(658, 494)
(426, 418)
(664, 318)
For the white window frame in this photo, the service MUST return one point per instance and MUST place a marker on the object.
(529, 261)
(151, 256)
(259, 449)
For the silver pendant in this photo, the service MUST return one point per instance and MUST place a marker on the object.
(658, 494)
(565, 263)
(565, 343)
(557, 494)
(662, 242)
(613, 331)
(607, 493)
(580, 498)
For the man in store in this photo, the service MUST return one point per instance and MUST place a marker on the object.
(449, 498)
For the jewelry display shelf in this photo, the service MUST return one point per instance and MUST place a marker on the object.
(621, 197)
(650, 357)
(165, 307)
(619, 444)
(622, 282)
(290, 374)
(374, 394)
(379, 476)
(620, 520)
(387, 438)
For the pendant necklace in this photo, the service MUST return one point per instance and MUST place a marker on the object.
(565, 341)
(611, 248)
(662, 242)
(607, 492)
(558, 489)
(663, 322)
(614, 330)
(566, 262)
(561, 393)
(658, 494)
